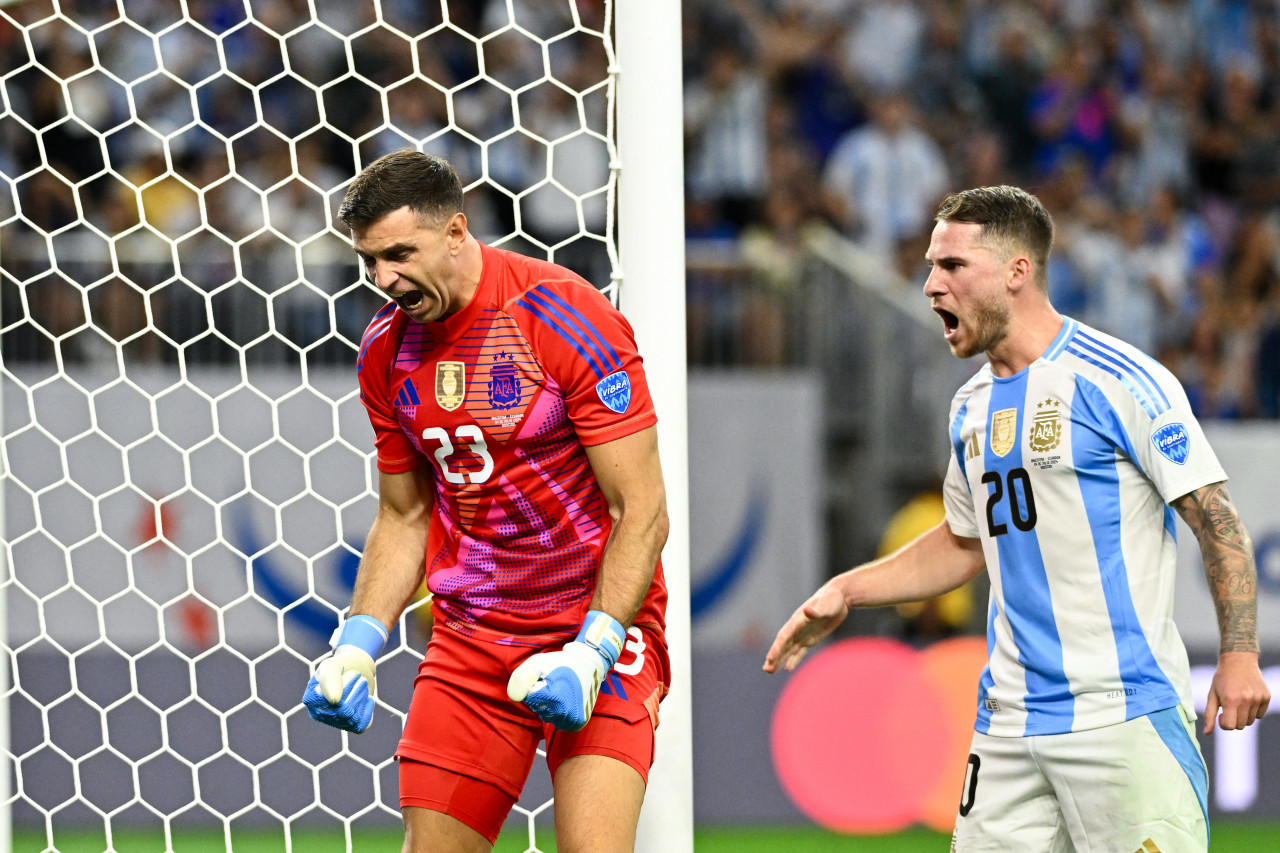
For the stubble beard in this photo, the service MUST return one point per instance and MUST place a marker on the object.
(989, 327)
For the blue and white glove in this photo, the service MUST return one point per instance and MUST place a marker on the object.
(340, 693)
(561, 687)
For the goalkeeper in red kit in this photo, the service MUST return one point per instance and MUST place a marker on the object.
(518, 469)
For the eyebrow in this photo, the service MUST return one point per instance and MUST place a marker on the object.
(385, 250)
(955, 259)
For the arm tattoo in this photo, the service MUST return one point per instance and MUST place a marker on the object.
(1228, 563)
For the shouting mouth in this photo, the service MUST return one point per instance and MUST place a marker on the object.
(409, 301)
(950, 322)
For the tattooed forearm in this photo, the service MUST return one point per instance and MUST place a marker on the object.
(1228, 563)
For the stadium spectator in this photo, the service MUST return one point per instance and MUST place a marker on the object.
(1154, 93)
(883, 177)
(725, 131)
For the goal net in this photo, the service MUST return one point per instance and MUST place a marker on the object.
(187, 469)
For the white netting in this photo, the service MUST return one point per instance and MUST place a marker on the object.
(187, 468)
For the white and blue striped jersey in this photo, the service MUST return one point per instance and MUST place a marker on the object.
(1064, 471)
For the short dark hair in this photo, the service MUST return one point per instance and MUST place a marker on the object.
(1010, 217)
(425, 183)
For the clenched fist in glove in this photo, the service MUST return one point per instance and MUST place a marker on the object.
(561, 687)
(340, 693)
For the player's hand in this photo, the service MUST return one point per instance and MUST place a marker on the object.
(812, 621)
(1237, 690)
(561, 687)
(340, 693)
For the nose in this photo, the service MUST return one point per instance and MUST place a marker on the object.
(932, 286)
(382, 273)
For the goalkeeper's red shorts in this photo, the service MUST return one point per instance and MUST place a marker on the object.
(461, 722)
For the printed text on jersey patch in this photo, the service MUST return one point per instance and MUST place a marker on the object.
(1172, 441)
(615, 391)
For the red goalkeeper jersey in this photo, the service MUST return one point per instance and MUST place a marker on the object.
(499, 401)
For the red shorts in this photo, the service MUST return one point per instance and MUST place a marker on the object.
(461, 721)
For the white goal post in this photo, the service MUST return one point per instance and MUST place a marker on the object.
(186, 468)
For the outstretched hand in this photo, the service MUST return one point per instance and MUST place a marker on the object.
(1237, 690)
(812, 621)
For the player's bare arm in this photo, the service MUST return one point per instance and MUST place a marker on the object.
(392, 567)
(1238, 689)
(935, 562)
(630, 476)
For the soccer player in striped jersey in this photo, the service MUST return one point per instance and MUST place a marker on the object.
(1070, 453)
(518, 470)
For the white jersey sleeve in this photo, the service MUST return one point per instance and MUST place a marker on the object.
(1171, 448)
(957, 495)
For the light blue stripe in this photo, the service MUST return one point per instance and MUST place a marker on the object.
(364, 632)
(1096, 433)
(588, 326)
(957, 443)
(1124, 378)
(1141, 380)
(985, 681)
(535, 311)
(1064, 337)
(1028, 603)
(1168, 724)
(1148, 381)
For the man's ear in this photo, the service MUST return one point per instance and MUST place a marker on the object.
(1019, 272)
(455, 232)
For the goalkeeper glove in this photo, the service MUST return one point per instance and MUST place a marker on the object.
(561, 687)
(340, 693)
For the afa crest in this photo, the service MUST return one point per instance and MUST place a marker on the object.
(504, 385)
(1004, 431)
(1046, 427)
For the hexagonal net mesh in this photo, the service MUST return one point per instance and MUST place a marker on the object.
(187, 468)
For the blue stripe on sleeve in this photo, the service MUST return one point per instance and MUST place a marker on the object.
(1124, 378)
(1028, 602)
(382, 323)
(1140, 373)
(611, 358)
(567, 325)
(533, 309)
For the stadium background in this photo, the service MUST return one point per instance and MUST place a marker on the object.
(1151, 130)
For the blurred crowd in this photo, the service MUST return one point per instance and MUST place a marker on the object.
(1150, 129)
(178, 176)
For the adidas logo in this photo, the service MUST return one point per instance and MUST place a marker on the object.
(1148, 846)
(972, 449)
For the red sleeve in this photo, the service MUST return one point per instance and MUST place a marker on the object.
(373, 368)
(588, 348)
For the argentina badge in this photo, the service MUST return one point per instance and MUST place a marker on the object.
(615, 391)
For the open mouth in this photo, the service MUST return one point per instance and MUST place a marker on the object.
(950, 322)
(410, 300)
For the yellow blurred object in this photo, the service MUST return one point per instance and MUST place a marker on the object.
(952, 609)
